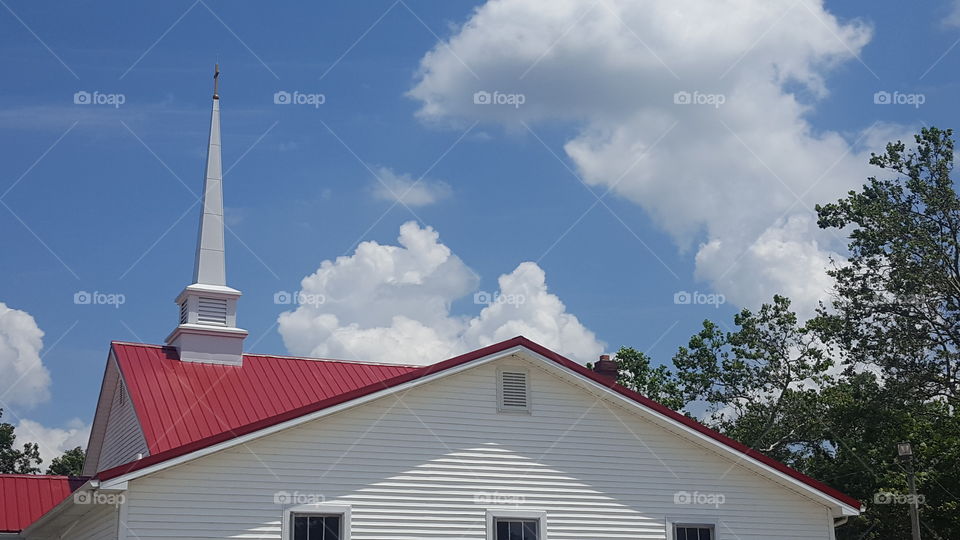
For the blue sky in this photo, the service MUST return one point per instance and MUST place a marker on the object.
(100, 198)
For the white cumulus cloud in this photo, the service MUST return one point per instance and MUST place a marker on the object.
(26, 383)
(403, 188)
(53, 442)
(25, 380)
(694, 110)
(389, 303)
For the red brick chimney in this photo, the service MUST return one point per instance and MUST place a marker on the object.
(606, 367)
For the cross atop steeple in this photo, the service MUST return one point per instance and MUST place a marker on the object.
(216, 78)
(208, 308)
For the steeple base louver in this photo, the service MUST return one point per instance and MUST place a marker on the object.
(207, 331)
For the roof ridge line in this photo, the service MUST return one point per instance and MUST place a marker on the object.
(283, 356)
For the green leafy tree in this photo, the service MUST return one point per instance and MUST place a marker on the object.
(896, 311)
(68, 464)
(13, 460)
(755, 380)
(897, 302)
(636, 372)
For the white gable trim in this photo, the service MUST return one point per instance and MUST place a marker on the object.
(839, 508)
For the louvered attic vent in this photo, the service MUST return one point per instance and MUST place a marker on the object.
(212, 311)
(183, 312)
(513, 391)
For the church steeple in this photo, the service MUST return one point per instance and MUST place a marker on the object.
(207, 330)
(210, 265)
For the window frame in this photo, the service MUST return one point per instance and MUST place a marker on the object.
(320, 509)
(493, 514)
(529, 393)
(672, 525)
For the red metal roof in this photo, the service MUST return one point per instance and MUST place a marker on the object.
(26, 497)
(402, 375)
(179, 403)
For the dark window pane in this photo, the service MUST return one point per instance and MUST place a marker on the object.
(681, 533)
(529, 530)
(503, 530)
(316, 528)
(516, 530)
(299, 528)
(706, 534)
(331, 528)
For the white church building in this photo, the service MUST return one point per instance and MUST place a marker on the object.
(196, 439)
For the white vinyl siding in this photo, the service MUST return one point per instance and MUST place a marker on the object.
(123, 438)
(430, 462)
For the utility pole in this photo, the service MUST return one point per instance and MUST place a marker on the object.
(905, 451)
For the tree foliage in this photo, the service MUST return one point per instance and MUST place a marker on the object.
(25, 460)
(636, 371)
(897, 302)
(68, 464)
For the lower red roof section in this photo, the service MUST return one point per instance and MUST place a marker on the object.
(26, 497)
(169, 367)
(179, 403)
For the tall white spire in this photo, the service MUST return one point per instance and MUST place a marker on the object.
(208, 308)
(210, 266)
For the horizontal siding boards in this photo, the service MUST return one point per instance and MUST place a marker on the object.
(123, 439)
(429, 466)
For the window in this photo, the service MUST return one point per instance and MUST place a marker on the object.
(516, 529)
(513, 391)
(693, 532)
(316, 521)
(516, 524)
(313, 527)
